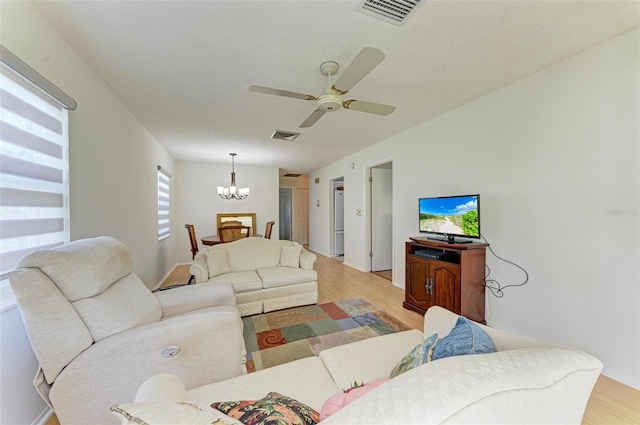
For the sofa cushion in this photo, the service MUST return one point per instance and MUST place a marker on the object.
(271, 409)
(253, 253)
(83, 268)
(57, 340)
(313, 391)
(242, 281)
(290, 256)
(465, 338)
(169, 412)
(282, 276)
(345, 362)
(419, 355)
(217, 262)
(127, 304)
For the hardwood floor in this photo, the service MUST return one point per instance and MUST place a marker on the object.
(387, 274)
(611, 402)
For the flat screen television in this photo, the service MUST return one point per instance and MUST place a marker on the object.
(450, 217)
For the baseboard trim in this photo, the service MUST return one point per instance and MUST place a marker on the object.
(43, 417)
(625, 380)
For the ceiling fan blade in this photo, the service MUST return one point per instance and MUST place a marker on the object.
(364, 63)
(372, 108)
(311, 120)
(278, 92)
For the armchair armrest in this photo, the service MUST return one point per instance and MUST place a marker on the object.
(211, 349)
(307, 259)
(195, 297)
(199, 268)
(161, 387)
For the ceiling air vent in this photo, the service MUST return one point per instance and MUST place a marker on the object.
(284, 135)
(392, 11)
(292, 175)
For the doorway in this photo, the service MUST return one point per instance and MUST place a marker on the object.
(285, 213)
(337, 222)
(381, 224)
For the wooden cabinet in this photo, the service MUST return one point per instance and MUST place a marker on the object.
(447, 275)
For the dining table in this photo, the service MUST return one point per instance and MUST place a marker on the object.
(215, 239)
(210, 240)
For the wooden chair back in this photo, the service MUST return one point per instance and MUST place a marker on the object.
(231, 223)
(192, 238)
(233, 233)
(244, 219)
(267, 232)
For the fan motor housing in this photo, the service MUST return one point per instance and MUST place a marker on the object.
(329, 102)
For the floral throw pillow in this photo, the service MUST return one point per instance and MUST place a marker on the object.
(272, 409)
(419, 355)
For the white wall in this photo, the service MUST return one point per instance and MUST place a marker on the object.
(197, 201)
(555, 158)
(113, 163)
(113, 158)
(19, 401)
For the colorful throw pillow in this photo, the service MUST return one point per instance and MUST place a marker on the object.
(465, 338)
(217, 262)
(272, 409)
(338, 401)
(290, 256)
(419, 355)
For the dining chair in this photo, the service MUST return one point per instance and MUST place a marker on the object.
(192, 238)
(194, 245)
(233, 233)
(267, 232)
(231, 223)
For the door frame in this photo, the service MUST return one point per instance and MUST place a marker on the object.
(280, 215)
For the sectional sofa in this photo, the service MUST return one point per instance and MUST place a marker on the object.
(524, 381)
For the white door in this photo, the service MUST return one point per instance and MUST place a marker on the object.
(381, 219)
(301, 216)
(339, 239)
(338, 208)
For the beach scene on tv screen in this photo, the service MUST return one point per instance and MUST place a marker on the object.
(457, 216)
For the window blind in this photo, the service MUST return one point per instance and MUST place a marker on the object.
(34, 198)
(164, 203)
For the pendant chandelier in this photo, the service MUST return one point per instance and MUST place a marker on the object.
(233, 192)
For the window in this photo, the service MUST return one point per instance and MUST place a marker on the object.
(34, 182)
(164, 203)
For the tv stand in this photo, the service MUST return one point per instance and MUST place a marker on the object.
(445, 274)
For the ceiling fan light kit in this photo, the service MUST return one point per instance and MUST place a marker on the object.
(331, 100)
(233, 192)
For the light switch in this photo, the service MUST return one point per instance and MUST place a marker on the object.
(358, 212)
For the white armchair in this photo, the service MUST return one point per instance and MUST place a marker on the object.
(98, 332)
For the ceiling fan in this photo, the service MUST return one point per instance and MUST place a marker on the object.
(331, 100)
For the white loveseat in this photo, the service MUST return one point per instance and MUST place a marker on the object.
(525, 381)
(266, 274)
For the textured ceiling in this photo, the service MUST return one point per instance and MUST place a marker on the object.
(183, 68)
